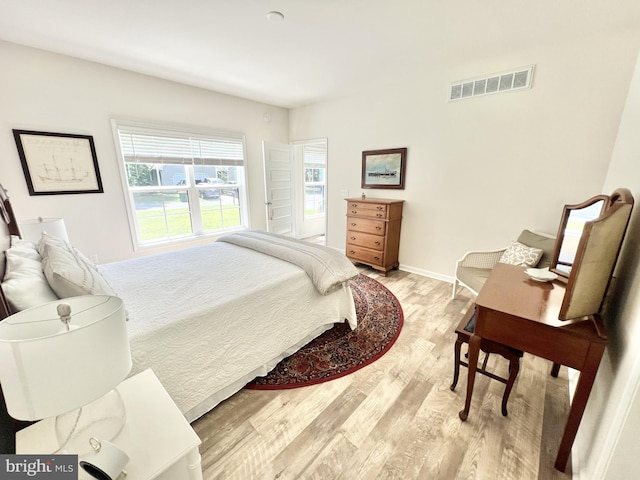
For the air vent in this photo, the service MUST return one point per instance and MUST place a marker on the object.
(490, 84)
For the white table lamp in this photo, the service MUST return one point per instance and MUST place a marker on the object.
(53, 363)
(32, 229)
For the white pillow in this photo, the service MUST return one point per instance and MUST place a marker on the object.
(25, 250)
(47, 240)
(16, 241)
(69, 272)
(519, 254)
(24, 283)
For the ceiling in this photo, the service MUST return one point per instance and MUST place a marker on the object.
(322, 49)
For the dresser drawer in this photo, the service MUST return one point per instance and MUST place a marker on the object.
(376, 227)
(372, 210)
(375, 242)
(365, 255)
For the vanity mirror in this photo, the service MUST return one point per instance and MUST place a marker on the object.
(570, 230)
(596, 257)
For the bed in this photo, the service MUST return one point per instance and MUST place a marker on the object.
(209, 319)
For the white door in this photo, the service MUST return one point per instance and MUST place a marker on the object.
(279, 187)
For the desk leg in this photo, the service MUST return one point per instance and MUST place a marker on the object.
(474, 352)
(580, 397)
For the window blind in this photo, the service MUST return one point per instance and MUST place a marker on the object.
(314, 156)
(176, 149)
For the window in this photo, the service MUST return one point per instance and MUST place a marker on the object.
(315, 161)
(181, 184)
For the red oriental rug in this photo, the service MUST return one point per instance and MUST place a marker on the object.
(340, 350)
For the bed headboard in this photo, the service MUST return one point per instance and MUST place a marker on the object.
(8, 227)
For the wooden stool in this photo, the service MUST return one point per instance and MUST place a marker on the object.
(464, 331)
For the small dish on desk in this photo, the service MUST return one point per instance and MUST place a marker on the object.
(540, 274)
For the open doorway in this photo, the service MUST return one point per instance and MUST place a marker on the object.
(296, 188)
(311, 165)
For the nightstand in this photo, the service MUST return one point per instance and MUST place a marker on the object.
(158, 439)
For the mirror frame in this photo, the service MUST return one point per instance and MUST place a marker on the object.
(566, 212)
(596, 259)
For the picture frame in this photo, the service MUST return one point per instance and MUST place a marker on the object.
(58, 163)
(384, 168)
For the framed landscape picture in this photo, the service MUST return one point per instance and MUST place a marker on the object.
(384, 168)
(58, 163)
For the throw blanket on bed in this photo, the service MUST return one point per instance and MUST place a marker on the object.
(327, 268)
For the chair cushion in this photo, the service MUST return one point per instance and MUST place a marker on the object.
(539, 241)
(471, 324)
(520, 254)
(472, 277)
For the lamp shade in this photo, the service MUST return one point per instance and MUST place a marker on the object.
(47, 369)
(32, 229)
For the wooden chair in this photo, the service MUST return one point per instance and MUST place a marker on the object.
(464, 331)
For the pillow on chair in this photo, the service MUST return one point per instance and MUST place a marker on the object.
(519, 254)
(545, 242)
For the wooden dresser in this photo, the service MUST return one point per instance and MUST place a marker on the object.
(373, 232)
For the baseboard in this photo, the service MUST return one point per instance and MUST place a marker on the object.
(417, 271)
(426, 273)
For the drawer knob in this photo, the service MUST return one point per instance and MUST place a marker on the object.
(378, 243)
(377, 258)
(353, 224)
(379, 207)
(378, 228)
(354, 211)
(352, 252)
(378, 215)
(353, 238)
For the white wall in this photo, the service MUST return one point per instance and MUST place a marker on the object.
(54, 93)
(479, 170)
(607, 442)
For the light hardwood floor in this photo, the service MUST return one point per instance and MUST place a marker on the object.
(396, 418)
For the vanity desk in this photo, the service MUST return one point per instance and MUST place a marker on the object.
(516, 311)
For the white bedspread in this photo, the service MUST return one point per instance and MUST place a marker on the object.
(209, 319)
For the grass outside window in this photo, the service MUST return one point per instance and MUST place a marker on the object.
(163, 215)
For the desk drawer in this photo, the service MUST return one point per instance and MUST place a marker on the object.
(365, 255)
(375, 242)
(365, 225)
(552, 343)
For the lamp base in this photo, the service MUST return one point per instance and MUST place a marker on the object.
(103, 419)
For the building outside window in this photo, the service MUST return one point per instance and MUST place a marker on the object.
(181, 184)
